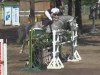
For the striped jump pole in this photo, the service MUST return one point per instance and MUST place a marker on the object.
(3, 57)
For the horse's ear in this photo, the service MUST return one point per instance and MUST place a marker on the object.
(75, 17)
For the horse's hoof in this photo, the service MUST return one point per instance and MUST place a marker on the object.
(20, 52)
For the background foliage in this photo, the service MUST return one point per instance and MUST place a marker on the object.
(84, 2)
(87, 2)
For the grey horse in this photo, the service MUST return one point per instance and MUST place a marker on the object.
(61, 22)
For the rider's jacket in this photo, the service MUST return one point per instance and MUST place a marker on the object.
(51, 11)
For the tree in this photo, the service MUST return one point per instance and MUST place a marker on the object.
(55, 3)
(11, 0)
(58, 3)
(78, 13)
(86, 2)
(32, 11)
(69, 7)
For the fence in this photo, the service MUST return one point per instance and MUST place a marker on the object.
(25, 14)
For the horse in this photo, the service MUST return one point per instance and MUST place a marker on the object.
(61, 22)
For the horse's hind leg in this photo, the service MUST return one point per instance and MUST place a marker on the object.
(22, 47)
(21, 51)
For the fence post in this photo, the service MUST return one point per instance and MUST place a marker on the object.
(30, 48)
(3, 58)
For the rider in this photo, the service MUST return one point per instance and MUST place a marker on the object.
(50, 13)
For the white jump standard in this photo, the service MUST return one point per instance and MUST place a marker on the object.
(55, 61)
(74, 56)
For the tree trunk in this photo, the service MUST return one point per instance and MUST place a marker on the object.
(58, 3)
(78, 14)
(70, 7)
(32, 11)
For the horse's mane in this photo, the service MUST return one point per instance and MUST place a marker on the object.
(61, 22)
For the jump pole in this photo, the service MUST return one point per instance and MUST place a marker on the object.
(3, 58)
